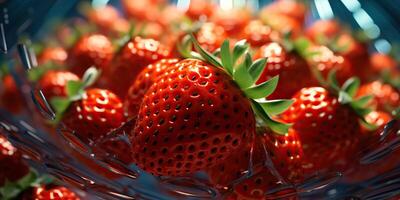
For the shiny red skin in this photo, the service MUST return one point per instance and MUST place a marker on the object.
(200, 9)
(185, 123)
(324, 60)
(320, 29)
(92, 117)
(58, 55)
(53, 83)
(53, 193)
(134, 56)
(290, 8)
(211, 36)
(143, 82)
(11, 98)
(90, 50)
(386, 98)
(286, 152)
(293, 71)
(329, 132)
(233, 21)
(260, 186)
(12, 168)
(258, 34)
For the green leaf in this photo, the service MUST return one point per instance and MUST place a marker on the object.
(344, 98)
(12, 189)
(242, 77)
(226, 57)
(332, 81)
(262, 90)
(277, 127)
(361, 111)
(301, 45)
(257, 68)
(362, 101)
(185, 46)
(90, 76)
(239, 49)
(368, 126)
(74, 88)
(205, 54)
(60, 105)
(275, 107)
(351, 86)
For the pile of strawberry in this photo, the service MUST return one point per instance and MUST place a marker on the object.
(258, 101)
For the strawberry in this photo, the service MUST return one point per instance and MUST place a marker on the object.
(58, 55)
(132, 58)
(378, 119)
(49, 193)
(328, 130)
(90, 50)
(97, 113)
(200, 9)
(381, 62)
(258, 34)
(166, 142)
(233, 21)
(293, 70)
(145, 10)
(210, 36)
(385, 97)
(11, 98)
(281, 23)
(262, 185)
(53, 83)
(290, 8)
(12, 168)
(322, 30)
(108, 20)
(143, 82)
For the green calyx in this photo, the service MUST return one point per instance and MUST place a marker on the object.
(299, 45)
(347, 96)
(75, 91)
(11, 190)
(240, 66)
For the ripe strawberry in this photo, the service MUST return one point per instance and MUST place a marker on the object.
(258, 34)
(290, 8)
(379, 119)
(293, 71)
(328, 130)
(143, 82)
(58, 55)
(165, 140)
(50, 193)
(98, 112)
(132, 58)
(381, 62)
(386, 97)
(12, 168)
(324, 60)
(200, 9)
(144, 10)
(11, 98)
(323, 30)
(90, 50)
(53, 83)
(233, 21)
(108, 20)
(281, 23)
(262, 185)
(210, 36)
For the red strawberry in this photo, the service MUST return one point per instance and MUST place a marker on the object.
(174, 134)
(200, 9)
(233, 21)
(258, 34)
(108, 20)
(144, 10)
(281, 23)
(324, 60)
(11, 98)
(329, 131)
(323, 29)
(90, 50)
(50, 193)
(378, 119)
(98, 112)
(210, 36)
(287, 155)
(291, 8)
(53, 83)
(386, 97)
(58, 55)
(293, 71)
(143, 82)
(12, 168)
(381, 62)
(132, 58)
(262, 185)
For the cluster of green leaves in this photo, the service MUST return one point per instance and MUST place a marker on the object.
(245, 72)
(11, 190)
(75, 91)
